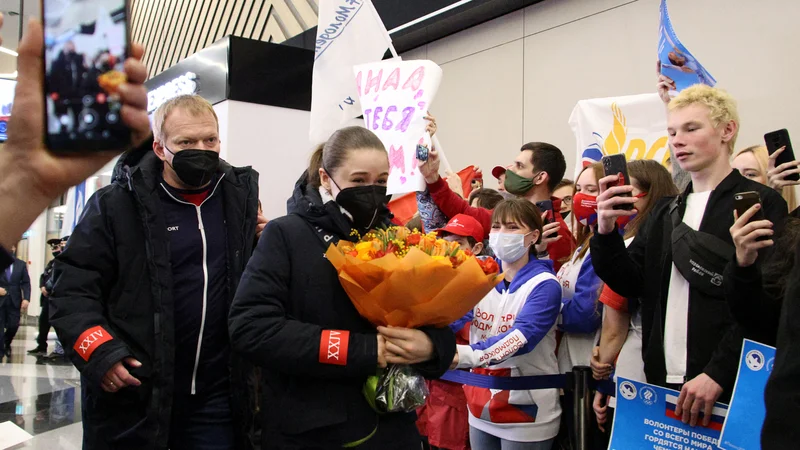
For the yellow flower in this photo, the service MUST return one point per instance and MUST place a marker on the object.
(363, 247)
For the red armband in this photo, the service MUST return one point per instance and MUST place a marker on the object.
(88, 342)
(333, 347)
(613, 300)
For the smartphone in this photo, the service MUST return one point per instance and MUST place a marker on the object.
(547, 208)
(743, 201)
(617, 165)
(777, 139)
(86, 43)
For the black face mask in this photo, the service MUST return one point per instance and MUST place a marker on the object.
(195, 168)
(367, 204)
(56, 253)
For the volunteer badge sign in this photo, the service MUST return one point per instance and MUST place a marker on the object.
(742, 430)
(645, 419)
(395, 98)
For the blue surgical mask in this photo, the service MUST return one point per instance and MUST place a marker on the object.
(509, 247)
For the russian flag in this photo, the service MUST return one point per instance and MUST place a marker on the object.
(717, 415)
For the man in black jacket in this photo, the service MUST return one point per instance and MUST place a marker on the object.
(690, 340)
(15, 294)
(46, 286)
(142, 291)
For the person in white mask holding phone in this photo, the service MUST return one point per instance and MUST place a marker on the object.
(512, 335)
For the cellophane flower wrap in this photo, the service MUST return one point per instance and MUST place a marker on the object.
(402, 278)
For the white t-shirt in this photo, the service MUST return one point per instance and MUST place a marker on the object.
(676, 325)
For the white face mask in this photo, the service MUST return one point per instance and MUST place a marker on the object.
(509, 247)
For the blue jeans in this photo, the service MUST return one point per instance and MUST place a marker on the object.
(202, 422)
(480, 440)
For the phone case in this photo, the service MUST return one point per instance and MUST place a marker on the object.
(776, 140)
(743, 201)
(616, 164)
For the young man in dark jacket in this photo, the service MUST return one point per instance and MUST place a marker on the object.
(142, 291)
(691, 341)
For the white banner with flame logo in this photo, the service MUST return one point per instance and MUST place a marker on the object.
(634, 125)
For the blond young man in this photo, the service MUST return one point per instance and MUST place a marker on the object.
(141, 293)
(690, 340)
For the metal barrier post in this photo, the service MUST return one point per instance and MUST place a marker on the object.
(581, 406)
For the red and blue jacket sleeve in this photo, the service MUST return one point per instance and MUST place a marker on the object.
(582, 312)
(534, 321)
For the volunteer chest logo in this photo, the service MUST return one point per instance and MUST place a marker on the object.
(174, 228)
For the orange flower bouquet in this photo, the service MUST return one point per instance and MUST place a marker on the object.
(402, 278)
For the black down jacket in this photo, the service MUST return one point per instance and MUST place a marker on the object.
(288, 302)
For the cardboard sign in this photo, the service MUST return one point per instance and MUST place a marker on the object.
(645, 419)
(742, 430)
(395, 97)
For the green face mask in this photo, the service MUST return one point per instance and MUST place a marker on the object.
(518, 185)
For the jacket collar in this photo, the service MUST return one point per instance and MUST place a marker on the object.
(530, 270)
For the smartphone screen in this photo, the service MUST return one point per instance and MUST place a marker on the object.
(86, 44)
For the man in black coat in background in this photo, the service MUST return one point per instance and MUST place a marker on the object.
(15, 295)
(46, 286)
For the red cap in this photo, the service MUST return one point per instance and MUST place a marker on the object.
(464, 225)
(497, 171)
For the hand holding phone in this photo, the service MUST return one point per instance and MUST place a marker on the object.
(781, 153)
(743, 201)
(86, 45)
(617, 165)
(750, 231)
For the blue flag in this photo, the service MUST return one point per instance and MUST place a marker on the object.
(676, 60)
(742, 429)
(645, 419)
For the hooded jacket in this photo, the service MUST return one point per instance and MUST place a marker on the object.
(292, 318)
(113, 298)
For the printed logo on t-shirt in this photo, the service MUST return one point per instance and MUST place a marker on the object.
(175, 228)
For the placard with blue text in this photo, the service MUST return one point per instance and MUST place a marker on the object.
(645, 419)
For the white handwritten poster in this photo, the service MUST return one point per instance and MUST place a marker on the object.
(395, 98)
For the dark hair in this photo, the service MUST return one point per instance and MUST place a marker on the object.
(563, 183)
(470, 240)
(778, 265)
(487, 198)
(331, 154)
(653, 178)
(521, 211)
(547, 158)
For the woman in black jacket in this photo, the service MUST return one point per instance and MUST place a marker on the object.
(292, 317)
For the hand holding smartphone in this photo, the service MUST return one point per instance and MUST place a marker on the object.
(774, 141)
(86, 44)
(743, 201)
(617, 165)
